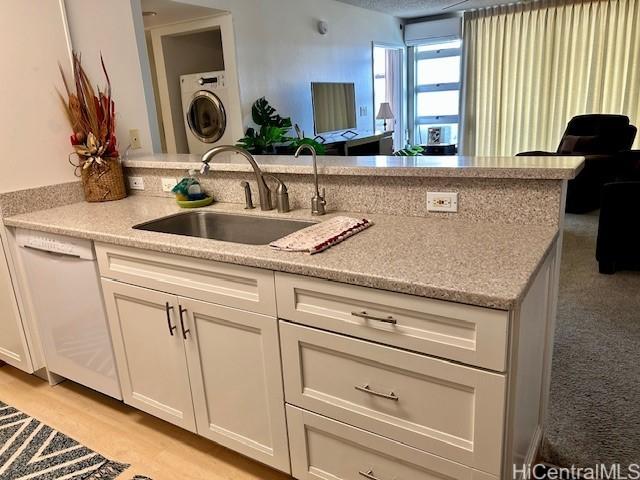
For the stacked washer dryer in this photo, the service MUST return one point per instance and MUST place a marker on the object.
(206, 102)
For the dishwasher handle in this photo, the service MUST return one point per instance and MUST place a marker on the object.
(53, 253)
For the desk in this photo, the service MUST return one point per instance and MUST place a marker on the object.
(379, 143)
(440, 149)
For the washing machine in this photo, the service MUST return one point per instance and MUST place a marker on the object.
(205, 102)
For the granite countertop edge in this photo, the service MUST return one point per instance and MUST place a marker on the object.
(533, 172)
(344, 275)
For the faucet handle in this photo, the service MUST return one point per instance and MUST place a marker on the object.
(282, 194)
(248, 202)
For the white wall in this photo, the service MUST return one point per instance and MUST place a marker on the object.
(109, 27)
(280, 51)
(34, 132)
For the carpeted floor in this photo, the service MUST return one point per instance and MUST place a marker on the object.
(594, 415)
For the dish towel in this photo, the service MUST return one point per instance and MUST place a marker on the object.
(321, 236)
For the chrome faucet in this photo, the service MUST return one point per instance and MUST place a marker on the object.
(317, 201)
(264, 193)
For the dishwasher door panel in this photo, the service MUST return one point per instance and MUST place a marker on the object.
(71, 319)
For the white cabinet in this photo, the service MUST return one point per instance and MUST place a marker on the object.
(207, 368)
(246, 288)
(377, 385)
(323, 449)
(236, 380)
(464, 333)
(439, 407)
(13, 342)
(150, 352)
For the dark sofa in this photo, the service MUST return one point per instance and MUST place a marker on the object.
(618, 246)
(601, 139)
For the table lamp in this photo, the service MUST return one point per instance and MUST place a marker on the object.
(385, 113)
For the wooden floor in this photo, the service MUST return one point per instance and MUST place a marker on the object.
(153, 447)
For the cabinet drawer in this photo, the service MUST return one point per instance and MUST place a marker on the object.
(450, 410)
(465, 333)
(247, 288)
(322, 448)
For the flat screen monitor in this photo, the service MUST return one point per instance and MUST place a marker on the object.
(334, 106)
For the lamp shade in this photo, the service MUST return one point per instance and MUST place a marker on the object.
(385, 112)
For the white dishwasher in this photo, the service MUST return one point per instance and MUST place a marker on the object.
(64, 284)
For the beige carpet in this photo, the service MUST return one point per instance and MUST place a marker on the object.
(594, 414)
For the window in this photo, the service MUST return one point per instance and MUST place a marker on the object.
(436, 90)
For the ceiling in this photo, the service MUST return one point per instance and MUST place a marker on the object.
(169, 11)
(421, 8)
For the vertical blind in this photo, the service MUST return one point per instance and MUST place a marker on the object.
(530, 67)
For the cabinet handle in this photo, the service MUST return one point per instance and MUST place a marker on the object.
(168, 309)
(367, 389)
(366, 316)
(369, 474)
(184, 332)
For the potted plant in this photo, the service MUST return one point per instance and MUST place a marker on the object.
(271, 136)
(92, 119)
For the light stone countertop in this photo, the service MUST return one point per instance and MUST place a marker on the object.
(476, 263)
(549, 168)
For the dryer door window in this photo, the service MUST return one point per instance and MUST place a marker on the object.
(206, 117)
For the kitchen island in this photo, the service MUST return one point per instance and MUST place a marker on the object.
(419, 347)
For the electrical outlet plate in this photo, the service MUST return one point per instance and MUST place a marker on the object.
(168, 183)
(136, 183)
(134, 139)
(442, 201)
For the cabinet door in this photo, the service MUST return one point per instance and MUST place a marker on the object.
(150, 352)
(236, 379)
(13, 343)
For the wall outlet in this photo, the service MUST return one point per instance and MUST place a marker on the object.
(134, 139)
(442, 201)
(136, 183)
(168, 183)
(363, 110)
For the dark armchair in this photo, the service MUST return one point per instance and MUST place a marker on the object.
(600, 139)
(618, 246)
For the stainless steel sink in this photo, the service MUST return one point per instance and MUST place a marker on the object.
(246, 229)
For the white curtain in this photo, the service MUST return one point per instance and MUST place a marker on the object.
(530, 67)
(393, 92)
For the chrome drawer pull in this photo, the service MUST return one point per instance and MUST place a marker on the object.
(367, 389)
(369, 475)
(366, 316)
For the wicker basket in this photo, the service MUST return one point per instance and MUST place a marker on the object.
(103, 183)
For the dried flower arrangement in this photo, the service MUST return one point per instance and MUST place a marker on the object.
(92, 120)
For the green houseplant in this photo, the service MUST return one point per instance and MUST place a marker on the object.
(409, 151)
(271, 132)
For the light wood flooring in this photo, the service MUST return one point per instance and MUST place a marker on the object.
(153, 447)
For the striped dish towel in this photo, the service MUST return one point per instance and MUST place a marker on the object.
(321, 236)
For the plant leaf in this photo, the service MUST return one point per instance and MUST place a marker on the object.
(264, 114)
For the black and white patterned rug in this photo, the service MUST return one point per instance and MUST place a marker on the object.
(31, 450)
